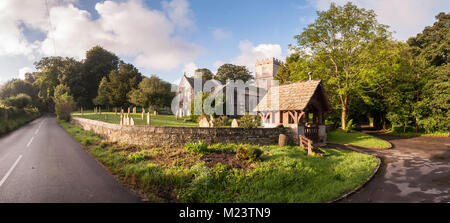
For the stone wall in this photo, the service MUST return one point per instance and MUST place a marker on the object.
(162, 136)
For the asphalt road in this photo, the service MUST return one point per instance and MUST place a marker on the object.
(416, 169)
(41, 162)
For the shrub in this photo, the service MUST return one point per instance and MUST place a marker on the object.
(19, 101)
(200, 147)
(138, 156)
(222, 147)
(248, 153)
(220, 121)
(249, 121)
(349, 127)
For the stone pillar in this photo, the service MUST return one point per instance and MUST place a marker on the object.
(323, 134)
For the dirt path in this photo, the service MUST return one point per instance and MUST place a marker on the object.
(415, 170)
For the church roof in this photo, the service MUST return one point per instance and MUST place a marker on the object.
(294, 96)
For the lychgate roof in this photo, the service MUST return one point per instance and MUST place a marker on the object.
(294, 96)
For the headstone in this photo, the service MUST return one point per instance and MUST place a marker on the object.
(234, 123)
(203, 123)
(128, 110)
(134, 110)
(131, 121)
(148, 118)
(282, 140)
(142, 115)
(121, 119)
(155, 113)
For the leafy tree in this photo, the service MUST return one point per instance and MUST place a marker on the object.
(233, 72)
(121, 82)
(98, 64)
(104, 93)
(152, 92)
(18, 86)
(204, 73)
(337, 38)
(49, 69)
(19, 101)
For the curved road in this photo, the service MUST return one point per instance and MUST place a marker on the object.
(41, 162)
(416, 169)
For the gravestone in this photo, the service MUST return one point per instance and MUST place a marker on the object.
(134, 110)
(131, 121)
(128, 110)
(142, 115)
(121, 119)
(282, 140)
(203, 123)
(148, 118)
(155, 113)
(234, 124)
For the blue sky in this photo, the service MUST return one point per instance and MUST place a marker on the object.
(168, 38)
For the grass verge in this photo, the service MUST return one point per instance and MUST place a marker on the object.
(357, 139)
(16, 121)
(281, 174)
(415, 134)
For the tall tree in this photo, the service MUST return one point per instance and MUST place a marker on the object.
(121, 82)
(338, 36)
(233, 72)
(152, 92)
(98, 64)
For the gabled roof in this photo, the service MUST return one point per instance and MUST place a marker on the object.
(294, 96)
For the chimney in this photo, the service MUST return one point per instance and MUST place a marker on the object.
(309, 74)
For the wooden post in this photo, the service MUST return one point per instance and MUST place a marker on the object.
(148, 118)
(310, 153)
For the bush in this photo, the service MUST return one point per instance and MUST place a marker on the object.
(200, 147)
(64, 105)
(19, 101)
(220, 121)
(249, 121)
(248, 153)
(349, 127)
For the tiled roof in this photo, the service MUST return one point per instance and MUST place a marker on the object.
(294, 96)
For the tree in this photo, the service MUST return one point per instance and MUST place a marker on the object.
(104, 93)
(152, 92)
(18, 86)
(49, 69)
(121, 82)
(19, 101)
(337, 38)
(204, 73)
(98, 64)
(233, 72)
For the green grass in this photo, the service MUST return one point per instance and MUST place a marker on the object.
(15, 122)
(357, 139)
(283, 174)
(159, 120)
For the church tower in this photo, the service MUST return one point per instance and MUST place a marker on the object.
(265, 71)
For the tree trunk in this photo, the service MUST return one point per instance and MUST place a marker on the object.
(344, 115)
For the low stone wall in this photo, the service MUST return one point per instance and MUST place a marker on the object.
(162, 136)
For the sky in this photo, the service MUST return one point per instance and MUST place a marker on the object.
(172, 37)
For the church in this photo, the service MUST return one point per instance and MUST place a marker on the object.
(302, 106)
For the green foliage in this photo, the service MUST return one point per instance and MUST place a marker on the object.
(19, 101)
(233, 72)
(349, 126)
(247, 152)
(152, 92)
(64, 103)
(16, 118)
(249, 121)
(220, 121)
(199, 148)
(121, 82)
(138, 156)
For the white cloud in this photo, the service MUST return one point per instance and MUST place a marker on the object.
(23, 71)
(249, 53)
(179, 12)
(189, 69)
(126, 28)
(220, 33)
(406, 18)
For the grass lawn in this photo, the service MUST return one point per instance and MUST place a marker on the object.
(357, 139)
(159, 120)
(282, 174)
